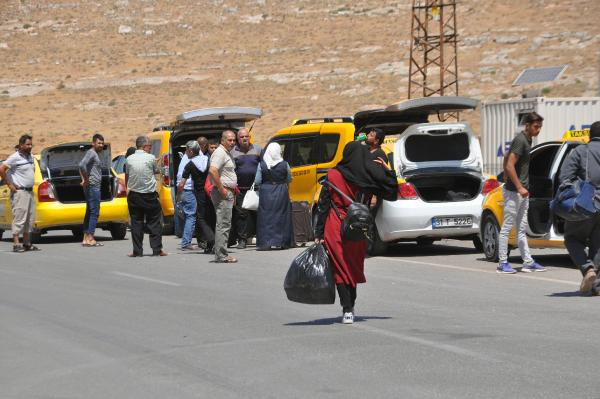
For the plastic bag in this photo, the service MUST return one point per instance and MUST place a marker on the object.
(250, 201)
(310, 279)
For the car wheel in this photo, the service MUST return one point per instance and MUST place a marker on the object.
(490, 233)
(167, 226)
(478, 244)
(77, 234)
(1, 234)
(118, 231)
(425, 242)
(35, 238)
(376, 246)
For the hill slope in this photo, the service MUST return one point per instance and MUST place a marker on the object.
(72, 68)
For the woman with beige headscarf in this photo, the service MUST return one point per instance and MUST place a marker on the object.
(274, 222)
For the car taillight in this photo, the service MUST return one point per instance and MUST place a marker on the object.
(166, 180)
(45, 193)
(489, 185)
(121, 189)
(407, 191)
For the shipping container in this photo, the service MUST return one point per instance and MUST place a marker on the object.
(501, 120)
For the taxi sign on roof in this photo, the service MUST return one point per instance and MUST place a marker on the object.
(573, 134)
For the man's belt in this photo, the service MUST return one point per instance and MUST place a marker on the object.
(25, 188)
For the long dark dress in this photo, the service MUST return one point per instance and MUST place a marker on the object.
(347, 257)
(274, 223)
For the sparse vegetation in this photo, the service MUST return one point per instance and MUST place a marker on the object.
(112, 103)
(546, 91)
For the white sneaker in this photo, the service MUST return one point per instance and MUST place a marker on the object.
(348, 318)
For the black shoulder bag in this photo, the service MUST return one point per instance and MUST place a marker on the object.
(358, 221)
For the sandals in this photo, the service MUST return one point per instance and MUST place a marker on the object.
(31, 248)
(96, 244)
(228, 259)
(25, 248)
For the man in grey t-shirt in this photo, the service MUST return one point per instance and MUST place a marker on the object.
(90, 169)
(224, 180)
(516, 196)
(18, 171)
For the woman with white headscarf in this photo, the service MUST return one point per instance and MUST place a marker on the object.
(274, 222)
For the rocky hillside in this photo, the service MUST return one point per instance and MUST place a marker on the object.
(71, 68)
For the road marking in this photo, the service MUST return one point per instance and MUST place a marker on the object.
(152, 280)
(425, 342)
(532, 276)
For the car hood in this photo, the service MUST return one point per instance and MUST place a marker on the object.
(437, 145)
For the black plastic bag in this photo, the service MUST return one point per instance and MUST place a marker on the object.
(310, 279)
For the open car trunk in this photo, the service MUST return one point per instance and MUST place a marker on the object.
(209, 123)
(445, 185)
(60, 166)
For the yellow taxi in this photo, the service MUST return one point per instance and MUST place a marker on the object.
(312, 147)
(168, 146)
(159, 140)
(545, 230)
(60, 202)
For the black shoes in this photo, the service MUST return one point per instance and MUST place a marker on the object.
(241, 244)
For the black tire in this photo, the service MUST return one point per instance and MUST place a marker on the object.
(478, 244)
(35, 238)
(425, 242)
(490, 234)
(168, 226)
(118, 231)
(1, 234)
(376, 246)
(77, 234)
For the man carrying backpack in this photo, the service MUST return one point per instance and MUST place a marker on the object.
(584, 163)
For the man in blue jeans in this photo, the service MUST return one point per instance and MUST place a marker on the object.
(90, 169)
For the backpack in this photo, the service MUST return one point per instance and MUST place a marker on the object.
(358, 221)
(575, 201)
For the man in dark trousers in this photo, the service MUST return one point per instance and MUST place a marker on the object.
(247, 158)
(142, 198)
(584, 163)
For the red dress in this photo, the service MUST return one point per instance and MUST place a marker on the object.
(347, 257)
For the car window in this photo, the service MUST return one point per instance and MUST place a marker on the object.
(119, 164)
(156, 148)
(541, 160)
(303, 151)
(328, 144)
(432, 148)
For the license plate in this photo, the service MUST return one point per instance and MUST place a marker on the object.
(442, 222)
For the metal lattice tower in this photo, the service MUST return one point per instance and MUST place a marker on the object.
(433, 66)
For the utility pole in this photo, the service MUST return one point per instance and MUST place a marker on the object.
(433, 69)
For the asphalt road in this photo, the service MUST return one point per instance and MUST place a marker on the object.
(434, 322)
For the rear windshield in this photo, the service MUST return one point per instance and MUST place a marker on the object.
(431, 148)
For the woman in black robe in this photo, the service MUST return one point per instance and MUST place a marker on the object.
(274, 221)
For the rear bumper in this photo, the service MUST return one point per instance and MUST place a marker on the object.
(56, 214)
(411, 219)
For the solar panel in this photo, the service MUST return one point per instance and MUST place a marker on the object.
(537, 75)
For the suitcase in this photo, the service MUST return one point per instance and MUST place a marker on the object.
(302, 223)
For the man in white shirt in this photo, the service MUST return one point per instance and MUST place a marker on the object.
(18, 172)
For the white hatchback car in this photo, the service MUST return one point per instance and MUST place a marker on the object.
(441, 186)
